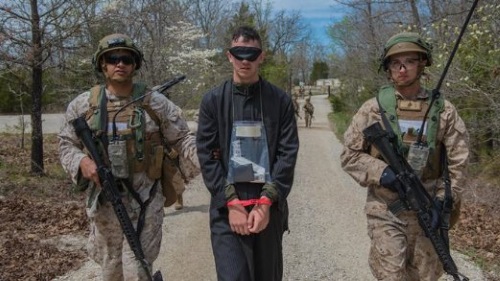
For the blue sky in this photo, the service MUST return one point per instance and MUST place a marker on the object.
(317, 13)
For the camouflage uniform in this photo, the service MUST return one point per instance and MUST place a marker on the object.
(308, 112)
(399, 249)
(107, 244)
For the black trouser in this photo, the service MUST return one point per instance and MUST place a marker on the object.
(256, 257)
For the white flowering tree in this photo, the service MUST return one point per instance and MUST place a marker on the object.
(182, 56)
(172, 45)
(473, 82)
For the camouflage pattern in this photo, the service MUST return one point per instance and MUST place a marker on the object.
(178, 183)
(399, 249)
(308, 112)
(107, 245)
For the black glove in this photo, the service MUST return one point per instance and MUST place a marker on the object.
(389, 180)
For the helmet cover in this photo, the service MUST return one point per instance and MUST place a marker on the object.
(406, 42)
(116, 41)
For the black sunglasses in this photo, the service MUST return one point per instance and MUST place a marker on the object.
(245, 53)
(116, 59)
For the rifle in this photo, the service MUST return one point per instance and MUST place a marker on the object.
(112, 194)
(413, 194)
(163, 87)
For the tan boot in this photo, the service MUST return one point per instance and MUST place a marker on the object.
(178, 203)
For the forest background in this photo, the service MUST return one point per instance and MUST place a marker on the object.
(46, 49)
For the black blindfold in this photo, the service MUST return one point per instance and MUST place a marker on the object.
(245, 53)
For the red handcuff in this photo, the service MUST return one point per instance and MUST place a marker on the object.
(244, 203)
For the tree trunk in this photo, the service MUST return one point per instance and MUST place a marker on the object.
(36, 93)
(416, 15)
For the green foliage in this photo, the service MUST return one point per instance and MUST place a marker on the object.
(320, 71)
(64, 84)
(14, 92)
(275, 72)
(60, 86)
(243, 17)
(473, 81)
(338, 104)
(339, 117)
(340, 122)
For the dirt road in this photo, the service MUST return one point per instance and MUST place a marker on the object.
(327, 238)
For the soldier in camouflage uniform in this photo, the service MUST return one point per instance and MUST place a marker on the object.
(308, 108)
(118, 58)
(399, 248)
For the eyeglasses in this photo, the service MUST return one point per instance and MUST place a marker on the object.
(245, 53)
(116, 59)
(408, 64)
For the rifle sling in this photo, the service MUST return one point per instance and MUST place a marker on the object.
(104, 117)
(143, 205)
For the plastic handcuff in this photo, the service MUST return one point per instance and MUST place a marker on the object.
(244, 203)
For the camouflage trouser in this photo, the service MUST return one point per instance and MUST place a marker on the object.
(400, 251)
(308, 119)
(178, 183)
(108, 246)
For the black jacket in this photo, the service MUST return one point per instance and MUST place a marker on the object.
(214, 133)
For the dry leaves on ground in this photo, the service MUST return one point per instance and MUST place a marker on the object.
(35, 210)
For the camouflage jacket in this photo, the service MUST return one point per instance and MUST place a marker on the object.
(308, 108)
(357, 161)
(174, 129)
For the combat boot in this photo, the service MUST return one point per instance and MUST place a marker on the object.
(178, 203)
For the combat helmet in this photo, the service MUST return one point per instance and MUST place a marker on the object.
(116, 41)
(405, 42)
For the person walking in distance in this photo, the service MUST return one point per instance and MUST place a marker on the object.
(247, 144)
(131, 141)
(400, 250)
(308, 109)
(296, 106)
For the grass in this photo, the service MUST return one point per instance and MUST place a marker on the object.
(339, 122)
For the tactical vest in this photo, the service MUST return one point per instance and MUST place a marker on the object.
(144, 150)
(397, 110)
(309, 108)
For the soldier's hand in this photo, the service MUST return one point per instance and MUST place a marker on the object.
(238, 217)
(258, 219)
(89, 170)
(389, 180)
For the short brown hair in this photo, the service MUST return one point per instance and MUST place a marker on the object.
(248, 33)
